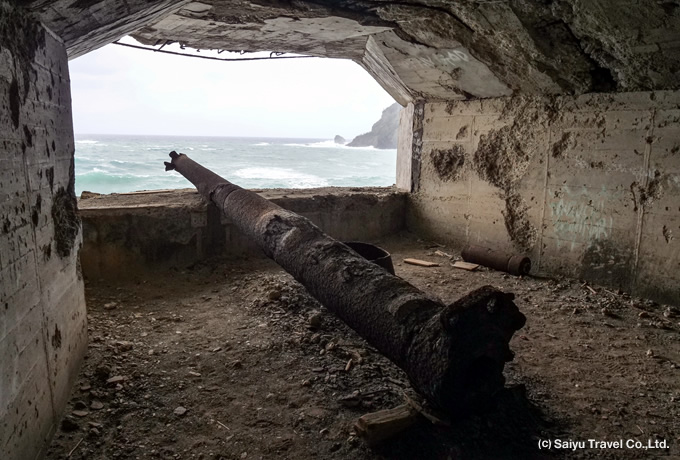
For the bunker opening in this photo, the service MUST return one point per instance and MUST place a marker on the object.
(302, 122)
(537, 142)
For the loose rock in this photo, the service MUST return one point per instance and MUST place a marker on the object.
(115, 380)
(315, 320)
(124, 345)
(102, 372)
(96, 405)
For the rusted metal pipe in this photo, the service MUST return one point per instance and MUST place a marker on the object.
(453, 355)
(514, 264)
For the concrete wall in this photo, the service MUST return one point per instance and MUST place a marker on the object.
(126, 234)
(43, 332)
(589, 186)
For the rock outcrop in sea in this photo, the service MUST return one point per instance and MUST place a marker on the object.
(339, 139)
(383, 134)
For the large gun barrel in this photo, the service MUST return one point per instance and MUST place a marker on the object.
(453, 355)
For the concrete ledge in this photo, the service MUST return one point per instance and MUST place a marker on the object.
(126, 234)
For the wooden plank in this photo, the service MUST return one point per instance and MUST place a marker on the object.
(379, 426)
(465, 265)
(421, 263)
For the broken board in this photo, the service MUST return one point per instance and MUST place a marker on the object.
(379, 426)
(421, 263)
(465, 265)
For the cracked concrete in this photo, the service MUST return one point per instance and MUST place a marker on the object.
(426, 49)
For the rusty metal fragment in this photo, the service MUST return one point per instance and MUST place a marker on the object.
(453, 355)
(515, 264)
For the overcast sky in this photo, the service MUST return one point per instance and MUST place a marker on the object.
(117, 90)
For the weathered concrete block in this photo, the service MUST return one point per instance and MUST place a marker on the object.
(440, 129)
(126, 234)
(405, 149)
(659, 193)
(41, 289)
(28, 423)
(587, 185)
(21, 340)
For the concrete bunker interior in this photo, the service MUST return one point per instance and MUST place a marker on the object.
(549, 128)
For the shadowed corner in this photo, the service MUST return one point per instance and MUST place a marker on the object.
(507, 428)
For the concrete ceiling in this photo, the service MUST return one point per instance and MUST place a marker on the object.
(417, 49)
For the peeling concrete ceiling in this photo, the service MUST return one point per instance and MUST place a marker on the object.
(417, 49)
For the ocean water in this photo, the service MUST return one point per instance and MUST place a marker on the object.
(126, 163)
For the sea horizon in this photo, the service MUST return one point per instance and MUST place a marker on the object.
(119, 163)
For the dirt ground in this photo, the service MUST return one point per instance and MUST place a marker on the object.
(233, 360)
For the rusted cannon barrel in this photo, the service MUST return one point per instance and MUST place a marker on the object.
(514, 264)
(453, 355)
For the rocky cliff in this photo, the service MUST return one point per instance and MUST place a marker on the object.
(383, 134)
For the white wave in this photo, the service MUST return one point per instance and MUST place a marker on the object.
(259, 144)
(370, 147)
(326, 144)
(292, 178)
(331, 144)
(323, 144)
(97, 172)
(208, 149)
(87, 141)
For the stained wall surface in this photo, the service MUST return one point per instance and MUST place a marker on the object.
(588, 186)
(43, 331)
